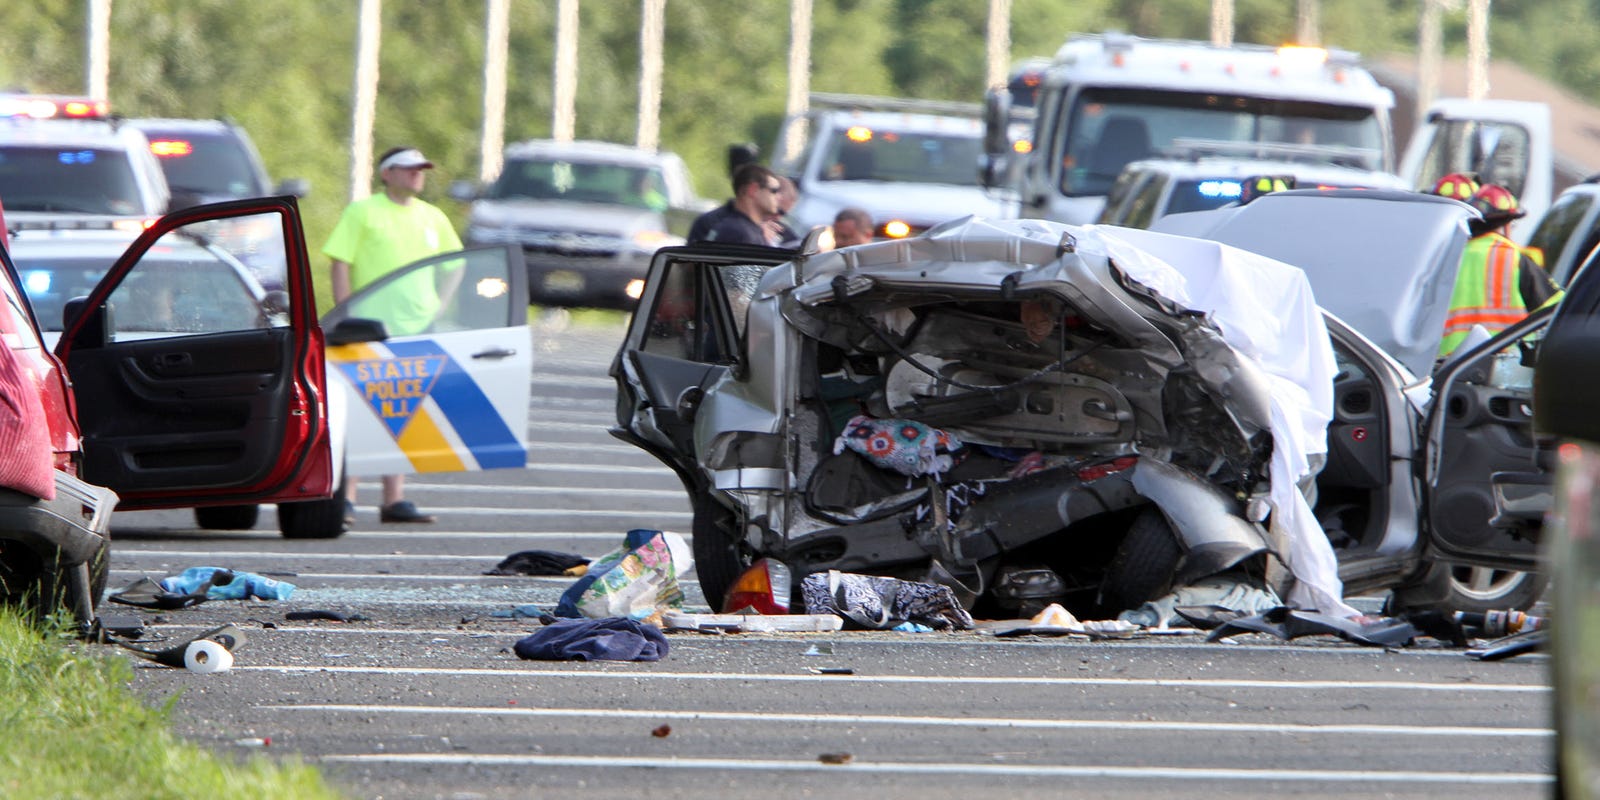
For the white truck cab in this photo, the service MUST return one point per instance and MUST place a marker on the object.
(1508, 142)
(1110, 99)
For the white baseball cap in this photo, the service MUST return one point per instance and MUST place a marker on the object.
(410, 158)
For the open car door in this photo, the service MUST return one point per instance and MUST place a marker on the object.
(1483, 493)
(686, 334)
(1508, 142)
(437, 361)
(200, 392)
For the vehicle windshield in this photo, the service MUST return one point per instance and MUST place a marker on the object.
(205, 163)
(1109, 128)
(563, 179)
(189, 291)
(68, 179)
(859, 153)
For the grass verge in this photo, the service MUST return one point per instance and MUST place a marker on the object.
(71, 728)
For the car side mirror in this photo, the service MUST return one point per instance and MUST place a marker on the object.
(276, 302)
(294, 187)
(997, 121)
(354, 330)
(463, 191)
(97, 322)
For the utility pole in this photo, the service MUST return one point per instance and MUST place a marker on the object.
(497, 32)
(999, 42)
(1308, 22)
(566, 94)
(1477, 49)
(98, 68)
(1430, 51)
(652, 30)
(799, 76)
(1222, 23)
(368, 33)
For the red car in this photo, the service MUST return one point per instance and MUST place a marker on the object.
(139, 416)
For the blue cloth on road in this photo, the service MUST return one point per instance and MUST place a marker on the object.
(220, 583)
(605, 639)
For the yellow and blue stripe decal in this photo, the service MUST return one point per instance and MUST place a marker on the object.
(395, 387)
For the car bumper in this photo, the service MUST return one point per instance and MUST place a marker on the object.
(585, 280)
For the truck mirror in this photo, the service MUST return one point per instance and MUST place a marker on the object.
(997, 121)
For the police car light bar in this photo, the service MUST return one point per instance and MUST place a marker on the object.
(52, 107)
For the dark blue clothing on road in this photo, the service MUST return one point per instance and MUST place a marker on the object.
(726, 224)
(608, 639)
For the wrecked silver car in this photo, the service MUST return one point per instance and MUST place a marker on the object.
(1025, 411)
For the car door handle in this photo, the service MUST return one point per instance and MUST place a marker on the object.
(497, 353)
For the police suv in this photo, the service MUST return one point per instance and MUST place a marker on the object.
(65, 162)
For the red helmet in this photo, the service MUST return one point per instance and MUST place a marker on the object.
(1495, 203)
(1456, 186)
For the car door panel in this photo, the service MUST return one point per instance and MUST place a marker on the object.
(684, 336)
(202, 410)
(453, 396)
(207, 413)
(1481, 423)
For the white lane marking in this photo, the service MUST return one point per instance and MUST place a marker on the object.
(409, 534)
(548, 490)
(577, 380)
(1177, 683)
(927, 721)
(945, 768)
(303, 556)
(386, 576)
(586, 448)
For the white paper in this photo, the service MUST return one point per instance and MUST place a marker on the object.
(205, 657)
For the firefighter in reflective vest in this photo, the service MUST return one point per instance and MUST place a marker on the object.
(1498, 284)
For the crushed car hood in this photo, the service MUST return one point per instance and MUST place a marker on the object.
(1384, 262)
(1245, 327)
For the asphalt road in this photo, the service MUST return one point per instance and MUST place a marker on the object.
(425, 699)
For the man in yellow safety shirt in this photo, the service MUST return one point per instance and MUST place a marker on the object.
(1498, 284)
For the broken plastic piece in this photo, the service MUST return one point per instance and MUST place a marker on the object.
(764, 587)
(1287, 623)
(229, 636)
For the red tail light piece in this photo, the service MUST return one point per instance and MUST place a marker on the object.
(765, 587)
(1098, 471)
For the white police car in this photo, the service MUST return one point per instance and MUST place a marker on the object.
(64, 160)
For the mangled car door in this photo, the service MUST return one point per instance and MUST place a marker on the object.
(1479, 430)
(445, 390)
(195, 383)
(687, 334)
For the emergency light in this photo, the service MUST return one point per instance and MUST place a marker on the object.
(48, 107)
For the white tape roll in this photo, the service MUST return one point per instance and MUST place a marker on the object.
(206, 657)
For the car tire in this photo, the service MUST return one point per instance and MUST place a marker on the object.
(1444, 587)
(1144, 565)
(718, 561)
(314, 519)
(227, 518)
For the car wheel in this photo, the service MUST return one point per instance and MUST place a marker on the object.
(227, 518)
(1444, 587)
(718, 561)
(1484, 589)
(1144, 565)
(314, 519)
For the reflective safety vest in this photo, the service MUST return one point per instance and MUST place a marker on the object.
(1486, 290)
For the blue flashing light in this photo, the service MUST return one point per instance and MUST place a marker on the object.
(1221, 188)
(76, 156)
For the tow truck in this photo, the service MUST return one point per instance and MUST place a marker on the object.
(1107, 100)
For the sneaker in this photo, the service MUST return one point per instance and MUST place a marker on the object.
(349, 513)
(402, 511)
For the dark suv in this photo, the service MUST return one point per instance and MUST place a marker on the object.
(210, 160)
